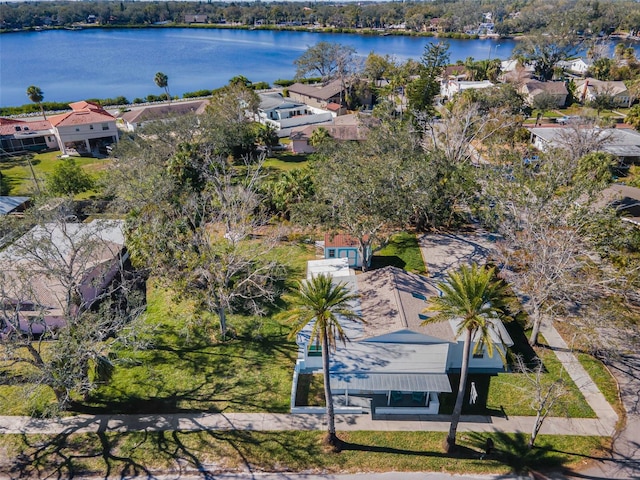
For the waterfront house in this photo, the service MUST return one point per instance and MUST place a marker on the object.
(87, 130)
(21, 136)
(392, 363)
(318, 95)
(285, 113)
(137, 117)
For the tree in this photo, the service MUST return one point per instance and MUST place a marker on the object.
(68, 179)
(325, 59)
(67, 286)
(162, 81)
(422, 91)
(633, 117)
(321, 303)
(379, 194)
(544, 395)
(476, 298)
(36, 96)
(545, 51)
(319, 136)
(544, 102)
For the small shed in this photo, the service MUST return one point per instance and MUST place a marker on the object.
(343, 246)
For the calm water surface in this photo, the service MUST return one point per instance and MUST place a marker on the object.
(75, 65)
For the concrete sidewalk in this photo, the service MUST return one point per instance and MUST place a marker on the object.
(284, 422)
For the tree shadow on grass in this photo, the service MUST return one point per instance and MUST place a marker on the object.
(461, 451)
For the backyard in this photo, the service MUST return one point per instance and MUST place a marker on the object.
(17, 178)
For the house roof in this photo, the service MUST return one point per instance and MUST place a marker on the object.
(159, 112)
(27, 279)
(392, 300)
(275, 100)
(318, 91)
(8, 126)
(9, 204)
(598, 86)
(622, 142)
(380, 382)
(82, 113)
(340, 240)
(535, 87)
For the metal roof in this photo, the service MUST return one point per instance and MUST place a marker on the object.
(9, 204)
(384, 382)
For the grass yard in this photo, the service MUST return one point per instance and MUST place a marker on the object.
(18, 180)
(151, 453)
(403, 252)
(184, 369)
(284, 161)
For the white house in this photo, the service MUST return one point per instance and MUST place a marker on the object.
(285, 113)
(392, 364)
(86, 130)
(450, 87)
(578, 66)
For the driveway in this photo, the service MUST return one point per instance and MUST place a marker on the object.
(443, 252)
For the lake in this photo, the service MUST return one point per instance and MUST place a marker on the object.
(96, 63)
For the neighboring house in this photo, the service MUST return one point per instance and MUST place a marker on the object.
(578, 66)
(87, 130)
(450, 87)
(588, 89)
(532, 88)
(21, 136)
(202, 18)
(344, 128)
(318, 95)
(285, 113)
(624, 143)
(136, 117)
(13, 204)
(40, 304)
(392, 364)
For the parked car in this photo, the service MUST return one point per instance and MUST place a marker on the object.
(567, 119)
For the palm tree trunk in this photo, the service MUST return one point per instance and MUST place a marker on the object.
(450, 442)
(332, 438)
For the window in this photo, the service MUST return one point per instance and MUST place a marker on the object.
(423, 317)
(18, 129)
(315, 350)
(332, 253)
(479, 354)
(418, 295)
(105, 126)
(90, 127)
(77, 129)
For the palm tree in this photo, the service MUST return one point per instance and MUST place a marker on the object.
(320, 301)
(163, 82)
(476, 298)
(36, 96)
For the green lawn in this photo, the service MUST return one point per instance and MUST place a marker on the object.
(18, 180)
(151, 453)
(402, 251)
(283, 161)
(602, 378)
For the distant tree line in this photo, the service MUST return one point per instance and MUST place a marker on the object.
(444, 17)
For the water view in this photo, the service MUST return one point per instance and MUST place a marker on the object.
(75, 65)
